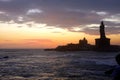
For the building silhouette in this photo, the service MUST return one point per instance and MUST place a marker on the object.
(81, 46)
(101, 44)
(83, 42)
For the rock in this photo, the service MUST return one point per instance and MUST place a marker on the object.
(6, 57)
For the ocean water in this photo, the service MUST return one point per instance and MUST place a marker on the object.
(36, 64)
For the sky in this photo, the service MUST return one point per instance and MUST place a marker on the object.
(49, 23)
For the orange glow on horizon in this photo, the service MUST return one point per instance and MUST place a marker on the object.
(43, 37)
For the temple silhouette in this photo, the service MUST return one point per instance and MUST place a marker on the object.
(81, 46)
(102, 44)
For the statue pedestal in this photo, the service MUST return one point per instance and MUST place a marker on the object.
(102, 44)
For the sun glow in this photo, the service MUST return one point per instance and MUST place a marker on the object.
(34, 35)
(37, 36)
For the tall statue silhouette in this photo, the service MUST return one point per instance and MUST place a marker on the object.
(103, 41)
(102, 30)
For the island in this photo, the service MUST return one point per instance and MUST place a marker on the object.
(102, 44)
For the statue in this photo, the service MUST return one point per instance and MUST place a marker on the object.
(102, 42)
(102, 31)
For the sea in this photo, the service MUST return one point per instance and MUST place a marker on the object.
(37, 64)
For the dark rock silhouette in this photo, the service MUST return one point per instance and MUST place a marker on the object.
(6, 57)
(115, 71)
(101, 44)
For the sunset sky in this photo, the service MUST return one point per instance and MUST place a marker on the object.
(49, 23)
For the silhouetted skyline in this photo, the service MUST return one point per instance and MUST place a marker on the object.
(101, 44)
(38, 23)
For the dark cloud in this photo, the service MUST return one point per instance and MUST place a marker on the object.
(113, 30)
(93, 29)
(61, 13)
(109, 30)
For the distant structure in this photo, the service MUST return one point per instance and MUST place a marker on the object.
(81, 46)
(102, 44)
(102, 41)
(83, 42)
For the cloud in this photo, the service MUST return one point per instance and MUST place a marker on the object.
(66, 14)
(113, 18)
(93, 29)
(5, 0)
(101, 13)
(20, 18)
(1, 12)
(113, 30)
(33, 11)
